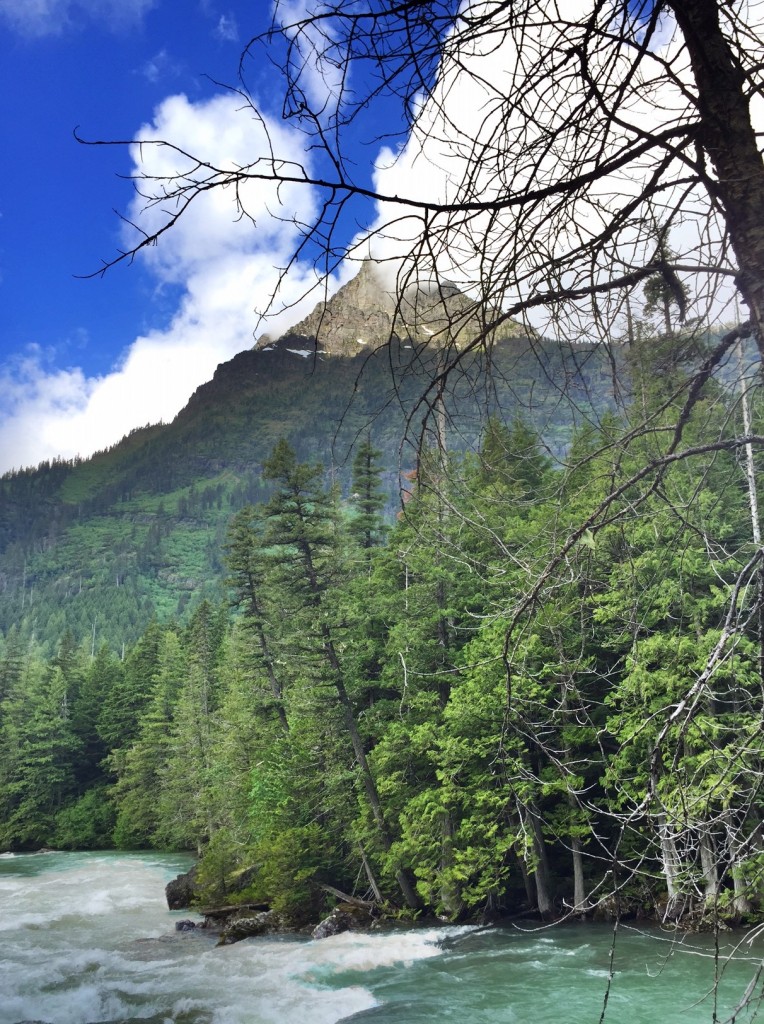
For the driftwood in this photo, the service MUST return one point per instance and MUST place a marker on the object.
(354, 901)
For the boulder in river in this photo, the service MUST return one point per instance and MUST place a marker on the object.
(347, 917)
(266, 922)
(180, 891)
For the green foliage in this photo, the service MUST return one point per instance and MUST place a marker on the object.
(102, 546)
(290, 867)
(384, 708)
(87, 824)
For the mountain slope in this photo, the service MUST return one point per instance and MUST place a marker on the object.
(100, 546)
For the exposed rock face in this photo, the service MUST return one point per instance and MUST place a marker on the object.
(180, 891)
(366, 312)
(267, 922)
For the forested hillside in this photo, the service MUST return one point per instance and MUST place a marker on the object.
(100, 547)
(502, 699)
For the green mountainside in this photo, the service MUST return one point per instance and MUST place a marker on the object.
(101, 546)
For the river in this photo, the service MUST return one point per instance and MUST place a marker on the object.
(88, 938)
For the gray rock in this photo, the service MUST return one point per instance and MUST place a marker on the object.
(267, 922)
(344, 918)
(365, 311)
(180, 891)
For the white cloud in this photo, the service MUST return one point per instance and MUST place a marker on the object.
(257, 216)
(227, 271)
(475, 139)
(51, 17)
(160, 66)
(320, 79)
(227, 28)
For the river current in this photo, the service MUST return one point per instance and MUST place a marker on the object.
(88, 938)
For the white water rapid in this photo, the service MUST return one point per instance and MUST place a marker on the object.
(87, 939)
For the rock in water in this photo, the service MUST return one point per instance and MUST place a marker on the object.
(345, 918)
(180, 891)
(267, 922)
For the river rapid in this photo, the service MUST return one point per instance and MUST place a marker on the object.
(88, 938)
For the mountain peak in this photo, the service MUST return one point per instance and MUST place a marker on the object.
(366, 313)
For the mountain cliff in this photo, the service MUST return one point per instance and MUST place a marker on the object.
(366, 313)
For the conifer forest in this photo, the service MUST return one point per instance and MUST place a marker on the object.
(535, 687)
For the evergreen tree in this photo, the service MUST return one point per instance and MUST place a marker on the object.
(141, 767)
(303, 531)
(247, 564)
(119, 719)
(39, 751)
(367, 497)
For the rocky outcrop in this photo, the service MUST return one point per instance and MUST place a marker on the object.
(245, 926)
(347, 917)
(366, 312)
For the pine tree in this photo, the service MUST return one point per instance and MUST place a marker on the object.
(247, 564)
(39, 751)
(141, 766)
(367, 497)
(304, 532)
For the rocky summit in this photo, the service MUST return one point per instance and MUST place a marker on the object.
(368, 312)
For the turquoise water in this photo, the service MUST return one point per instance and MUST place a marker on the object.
(88, 938)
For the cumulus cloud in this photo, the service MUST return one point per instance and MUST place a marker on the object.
(257, 216)
(320, 79)
(51, 17)
(227, 271)
(479, 136)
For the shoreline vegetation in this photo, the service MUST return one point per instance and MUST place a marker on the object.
(496, 703)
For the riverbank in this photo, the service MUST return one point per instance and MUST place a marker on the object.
(88, 938)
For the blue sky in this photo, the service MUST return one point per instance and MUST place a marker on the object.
(67, 68)
(84, 361)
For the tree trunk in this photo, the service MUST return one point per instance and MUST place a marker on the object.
(450, 892)
(740, 901)
(580, 903)
(708, 866)
(727, 136)
(541, 874)
(403, 877)
(370, 875)
(671, 865)
(276, 689)
(753, 500)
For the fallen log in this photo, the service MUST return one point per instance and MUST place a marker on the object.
(354, 901)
